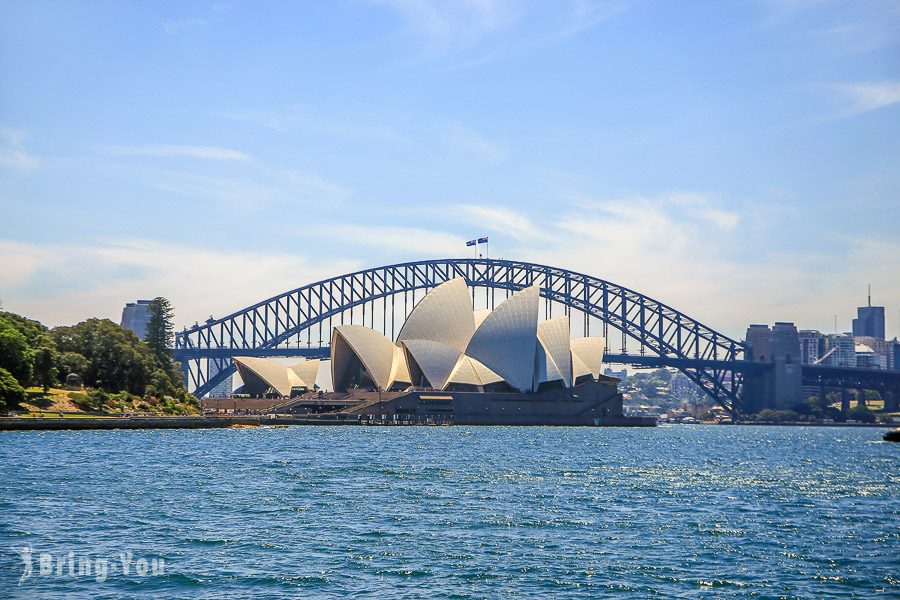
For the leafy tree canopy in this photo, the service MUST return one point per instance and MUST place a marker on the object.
(16, 356)
(42, 346)
(116, 359)
(11, 393)
(861, 414)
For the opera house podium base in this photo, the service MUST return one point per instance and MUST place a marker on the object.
(593, 403)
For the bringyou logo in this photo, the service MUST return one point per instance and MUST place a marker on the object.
(86, 566)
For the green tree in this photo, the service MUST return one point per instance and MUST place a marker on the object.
(16, 356)
(663, 375)
(71, 362)
(778, 416)
(649, 388)
(11, 393)
(44, 367)
(160, 384)
(160, 331)
(116, 359)
(861, 414)
(42, 346)
(36, 334)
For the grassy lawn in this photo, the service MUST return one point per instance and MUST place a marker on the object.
(73, 403)
(873, 405)
(53, 400)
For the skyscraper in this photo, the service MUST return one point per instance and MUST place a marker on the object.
(869, 321)
(136, 317)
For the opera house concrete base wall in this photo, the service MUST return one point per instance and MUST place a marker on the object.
(591, 403)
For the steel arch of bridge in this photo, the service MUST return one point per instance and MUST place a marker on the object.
(658, 328)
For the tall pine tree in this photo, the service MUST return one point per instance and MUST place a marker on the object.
(160, 331)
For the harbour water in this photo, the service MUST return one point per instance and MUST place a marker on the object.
(456, 512)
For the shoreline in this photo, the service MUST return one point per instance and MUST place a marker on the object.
(223, 422)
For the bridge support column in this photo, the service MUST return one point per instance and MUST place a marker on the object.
(845, 401)
(860, 398)
(890, 400)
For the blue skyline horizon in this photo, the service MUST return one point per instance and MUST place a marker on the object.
(739, 161)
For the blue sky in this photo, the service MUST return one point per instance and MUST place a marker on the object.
(737, 160)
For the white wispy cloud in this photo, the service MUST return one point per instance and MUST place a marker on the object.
(175, 26)
(698, 262)
(474, 32)
(668, 247)
(498, 219)
(866, 97)
(831, 28)
(586, 14)
(13, 154)
(248, 190)
(391, 241)
(462, 138)
(446, 24)
(200, 17)
(14, 158)
(65, 283)
(179, 151)
(295, 118)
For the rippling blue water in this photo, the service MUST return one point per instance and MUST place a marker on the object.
(685, 511)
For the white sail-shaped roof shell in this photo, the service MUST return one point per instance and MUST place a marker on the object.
(469, 371)
(546, 368)
(436, 360)
(578, 367)
(480, 316)
(553, 335)
(485, 375)
(444, 315)
(307, 371)
(279, 377)
(589, 350)
(374, 350)
(400, 370)
(506, 342)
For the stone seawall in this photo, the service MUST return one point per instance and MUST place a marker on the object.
(54, 423)
(86, 423)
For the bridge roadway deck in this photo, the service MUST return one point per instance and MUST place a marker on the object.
(643, 360)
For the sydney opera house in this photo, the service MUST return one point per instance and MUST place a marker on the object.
(450, 362)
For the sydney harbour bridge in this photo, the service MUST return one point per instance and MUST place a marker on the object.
(639, 330)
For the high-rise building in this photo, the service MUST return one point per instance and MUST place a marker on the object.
(813, 346)
(869, 321)
(841, 350)
(136, 317)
